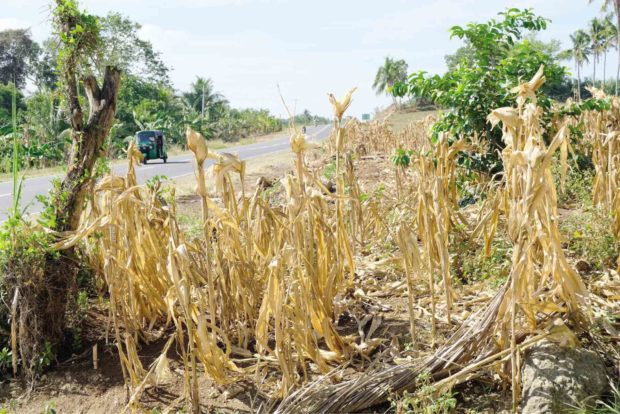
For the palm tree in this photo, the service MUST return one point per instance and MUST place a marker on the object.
(203, 99)
(579, 52)
(616, 6)
(610, 40)
(597, 35)
(389, 74)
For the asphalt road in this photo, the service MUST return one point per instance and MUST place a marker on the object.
(174, 168)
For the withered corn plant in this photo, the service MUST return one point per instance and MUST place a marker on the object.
(601, 130)
(542, 281)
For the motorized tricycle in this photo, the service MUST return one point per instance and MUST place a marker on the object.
(152, 145)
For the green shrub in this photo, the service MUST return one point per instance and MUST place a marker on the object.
(24, 254)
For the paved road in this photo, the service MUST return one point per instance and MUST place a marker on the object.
(175, 167)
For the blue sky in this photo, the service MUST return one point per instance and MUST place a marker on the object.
(309, 48)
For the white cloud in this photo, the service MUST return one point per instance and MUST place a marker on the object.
(12, 23)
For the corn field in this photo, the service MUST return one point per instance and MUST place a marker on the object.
(258, 297)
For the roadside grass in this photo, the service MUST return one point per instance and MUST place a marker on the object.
(401, 119)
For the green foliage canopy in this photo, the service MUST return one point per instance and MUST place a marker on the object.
(497, 59)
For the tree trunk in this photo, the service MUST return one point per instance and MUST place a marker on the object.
(579, 82)
(604, 69)
(618, 67)
(594, 72)
(88, 142)
(68, 199)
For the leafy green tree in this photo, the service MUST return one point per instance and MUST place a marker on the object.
(46, 73)
(18, 55)
(389, 74)
(121, 46)
(579, 53)
(46, 133)
(6, 97)
(500, 59)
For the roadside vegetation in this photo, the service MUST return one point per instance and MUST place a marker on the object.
(146, 99)
(407, 267)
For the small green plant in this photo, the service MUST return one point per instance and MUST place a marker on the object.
(155, 183)
(401, 158)
(329, 171)
(47, 356)
(271, 192)
(472, 265)
(426, 400)
(82, 300)
(5, 360)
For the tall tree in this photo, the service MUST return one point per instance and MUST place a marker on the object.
(597, 36)
(121, 46)
(389, 74)
(46, 75)
(610, 38)
(616, 6)
(203, 98)
(18, 55)
(579, 53)
(80, 40)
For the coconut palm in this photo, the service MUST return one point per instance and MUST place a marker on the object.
(579, 53)
(390, 73)
(610, 40)
(203, 98)
(616, 6)
(597, 36)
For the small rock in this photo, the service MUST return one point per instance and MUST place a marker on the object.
(554, 379)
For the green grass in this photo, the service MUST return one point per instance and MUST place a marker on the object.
(329, 171)
(191, 226)
(588, 235)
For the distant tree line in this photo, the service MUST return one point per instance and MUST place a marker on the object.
(146, 100)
